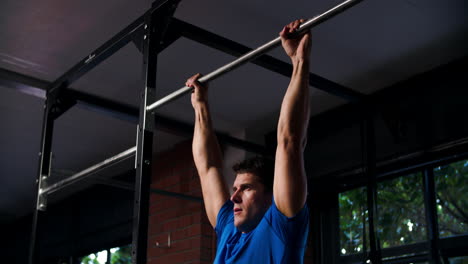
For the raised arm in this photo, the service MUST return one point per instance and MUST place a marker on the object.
(290, 182)
(206, 153)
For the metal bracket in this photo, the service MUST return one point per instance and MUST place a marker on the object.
(168, 242)
(90, 58)
(41, 196)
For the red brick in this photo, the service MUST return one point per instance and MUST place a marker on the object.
(185, 244)
(179, 234)
(191, 235)
(194, 230)
(192, 255)
(170, 225)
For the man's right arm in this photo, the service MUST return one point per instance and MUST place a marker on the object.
(207, 153)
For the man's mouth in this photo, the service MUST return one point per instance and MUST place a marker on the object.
(237, 211)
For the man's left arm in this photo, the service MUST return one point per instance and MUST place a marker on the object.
(290, 182)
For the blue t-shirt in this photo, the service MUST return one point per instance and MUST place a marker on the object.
(276, 239)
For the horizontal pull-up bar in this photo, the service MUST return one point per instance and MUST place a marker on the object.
(89, 171)
(268, 62)
(255, 53)
(86, 173)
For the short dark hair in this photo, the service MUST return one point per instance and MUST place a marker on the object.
(262, 167)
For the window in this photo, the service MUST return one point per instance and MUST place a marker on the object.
(401, 225)
(452, 198)
(400, 206)
(353, 219)
(117, 255)
(458, 260)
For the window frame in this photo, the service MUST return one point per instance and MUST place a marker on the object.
(434, 249)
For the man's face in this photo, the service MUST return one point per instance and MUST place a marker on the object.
(250, 201)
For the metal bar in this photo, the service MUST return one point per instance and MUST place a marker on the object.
(100, 54)
(106, 50)
(43, 173)
(105, 106)
(431, 216)
(86, 173)
(23, 83)
(177, 195)
(268, 62)
(369, 159)
(89, 171)
(417, 258)
(156, 24)
(395, 252)
(116, 183)
(131, 187)
(173, 33)
(184, 129)
(255, 53)
(37, 88)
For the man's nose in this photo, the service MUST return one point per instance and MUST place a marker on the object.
(235, 197)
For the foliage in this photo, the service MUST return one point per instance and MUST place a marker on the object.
(90, 259)
(400, 211)
(119, 255)
(353, 221)
(452, 198)
(122, 255)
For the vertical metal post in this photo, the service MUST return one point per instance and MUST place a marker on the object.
(369, 156)
(144, 149)
(431, 216)
(55, 105)
(43, 172)
(154, 29)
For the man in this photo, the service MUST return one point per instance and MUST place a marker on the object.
(260, 223)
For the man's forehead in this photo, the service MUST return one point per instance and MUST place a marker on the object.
(245, 178)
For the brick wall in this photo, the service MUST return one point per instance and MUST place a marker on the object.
(192, 237)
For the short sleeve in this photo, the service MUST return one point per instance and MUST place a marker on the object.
(290, 230)
(225, 216)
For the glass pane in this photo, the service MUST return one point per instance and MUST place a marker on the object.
(400, 205)
(121, 255)
(459, 260)
(95, 258)
(451, 197)
(353, 221)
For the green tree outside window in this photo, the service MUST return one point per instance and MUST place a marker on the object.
(400, 211)
(452, 198)
(353, 221)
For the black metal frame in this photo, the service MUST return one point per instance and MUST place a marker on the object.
(152, 32)
(369, 159)
(59, 100)
(431, 216)
(155, 28)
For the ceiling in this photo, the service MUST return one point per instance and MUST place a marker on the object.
(373, 45)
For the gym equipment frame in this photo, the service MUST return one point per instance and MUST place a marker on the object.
(156, 30)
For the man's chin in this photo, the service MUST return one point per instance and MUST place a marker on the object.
(238, 223)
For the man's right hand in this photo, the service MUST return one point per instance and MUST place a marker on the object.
(296, 47)
(200, 91)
